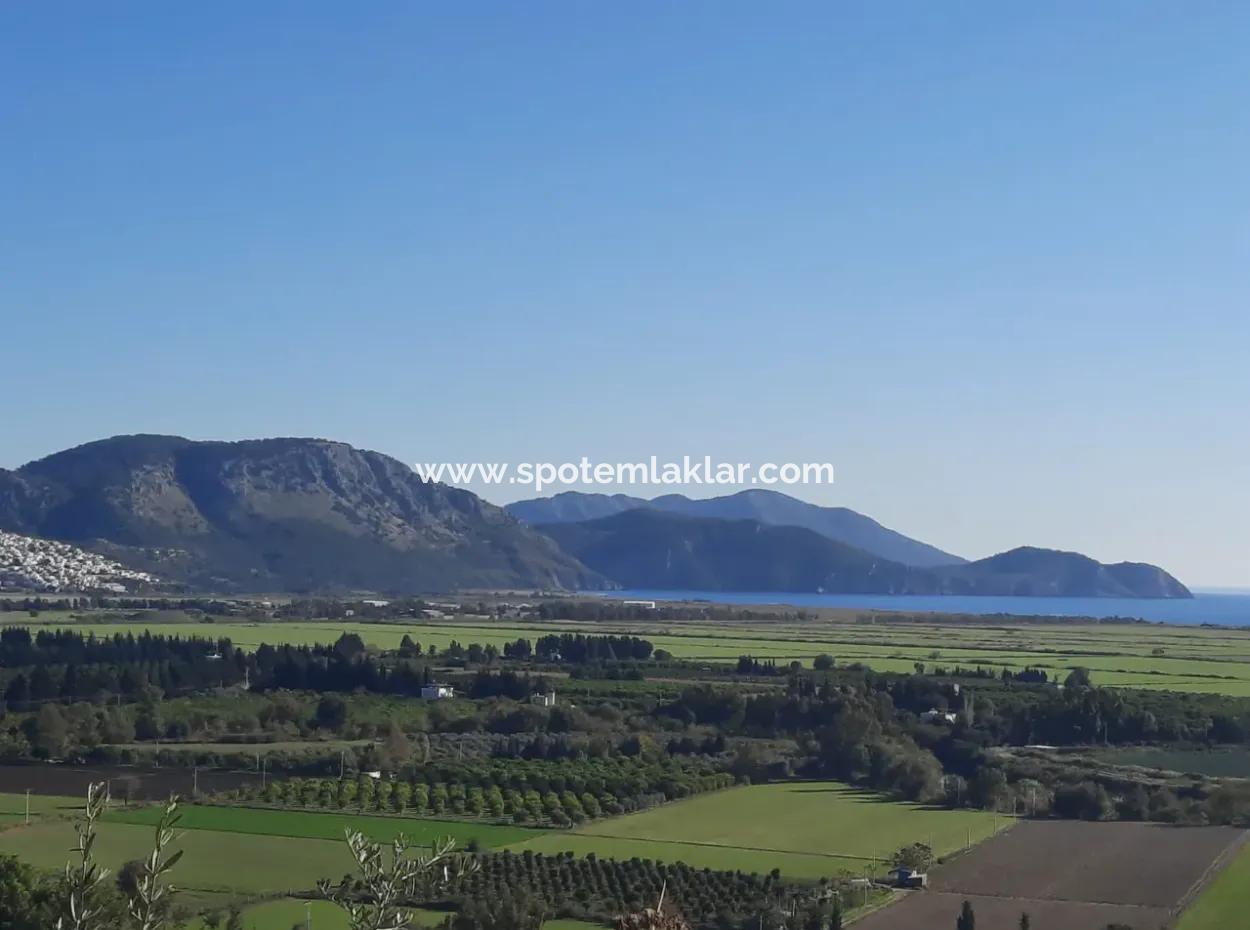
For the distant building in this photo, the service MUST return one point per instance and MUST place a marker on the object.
(437, 692)
(933, 715)
(909, 878)
(544, 700)
(650, 605)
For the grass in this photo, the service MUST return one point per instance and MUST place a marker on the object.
(1220, 763)
(285, 913)
(13, 807)
(215, 861)
(327, 826)
(805, 829)
(1225, 902)
(1150, 656)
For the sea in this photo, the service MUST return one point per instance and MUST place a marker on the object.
(1215, 607)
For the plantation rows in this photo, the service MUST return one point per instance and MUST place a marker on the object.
(591, 888)
(559, 792)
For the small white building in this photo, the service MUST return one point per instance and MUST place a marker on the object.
(544, 700)
(437, 692)
(933, 715)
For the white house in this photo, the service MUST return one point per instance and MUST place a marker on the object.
(437, 692)
(933, 715)
(544, 700)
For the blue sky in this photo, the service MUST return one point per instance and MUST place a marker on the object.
(989, 259)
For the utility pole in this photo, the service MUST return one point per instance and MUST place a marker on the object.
(264, 763)
(195, 781)
(342, 761)
(307, 915)
(28, 807)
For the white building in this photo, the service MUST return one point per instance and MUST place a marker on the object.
(437, 692)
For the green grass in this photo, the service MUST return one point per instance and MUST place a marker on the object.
(805, 829)
(1220, 763)
(1225, 902)
(1128, 655)
(285, 913)
(215, 861)
(13, 808)
(327, 826)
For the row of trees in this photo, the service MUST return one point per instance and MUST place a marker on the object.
(553, 793)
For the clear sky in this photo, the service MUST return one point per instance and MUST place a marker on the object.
(990, 259)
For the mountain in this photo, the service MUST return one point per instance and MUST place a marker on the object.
(768, 507)
(573, 507)
(277, 515)
(1033, 572)
(645, 548)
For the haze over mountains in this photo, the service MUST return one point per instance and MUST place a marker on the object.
(303, 515)
(768, 507)
(651, 549)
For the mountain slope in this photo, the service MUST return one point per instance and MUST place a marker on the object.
(572, 507)
(1033, 572)
(646, 548)
(768, 507)
(277, 514)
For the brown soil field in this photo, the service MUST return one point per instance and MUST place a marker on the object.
(1067, 875)
(149, 784)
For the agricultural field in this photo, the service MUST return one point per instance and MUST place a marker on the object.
(214, 861)
(285, 913)
(805, 829)
(1225, 902)
(13, 807)
(1127, 655)
(1071, 874)
(329, 826)
(1220, 763)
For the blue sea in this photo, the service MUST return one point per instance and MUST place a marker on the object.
(1225, 608)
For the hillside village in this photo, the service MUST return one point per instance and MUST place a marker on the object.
(27, 563)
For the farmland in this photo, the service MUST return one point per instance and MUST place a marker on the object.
(1151, 656)
(805, 829)
(1080, 876)
(215, 861)
(1226, 901)
(319, 826)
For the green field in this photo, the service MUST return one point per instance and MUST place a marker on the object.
(1127, 655)
(328, 826)
(1225, 902)
(805, 829)
(233, 862)
(285, 913)
(42, 807)
(1221, 763)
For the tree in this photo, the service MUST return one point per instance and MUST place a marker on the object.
(51, 732)
(372, 900)
(967, 920)
(24, 899)
(918, 857)
(1079, 677)
(1025, 921)
(823, 662)
(396, 750)
(331, 712)
(234, 918)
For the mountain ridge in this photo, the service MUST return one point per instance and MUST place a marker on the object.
(286, 513)
(772, 508)
(643, 548)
